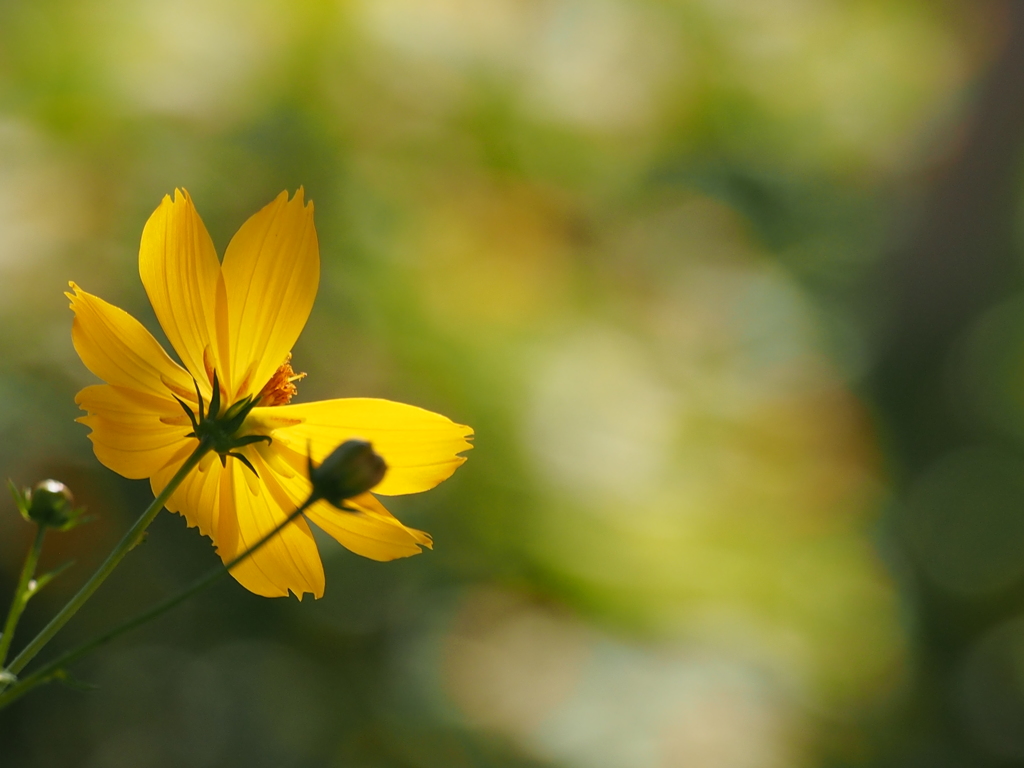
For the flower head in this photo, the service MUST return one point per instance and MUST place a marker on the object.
(233, 325)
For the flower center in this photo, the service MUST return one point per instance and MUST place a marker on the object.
(281, 388)
(220, 430)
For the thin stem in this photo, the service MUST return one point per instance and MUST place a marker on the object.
(21, 594)
(128, 541)
(56, 667)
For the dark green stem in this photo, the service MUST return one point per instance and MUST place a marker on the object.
(21, 593)
(130, 539)
(56, 667)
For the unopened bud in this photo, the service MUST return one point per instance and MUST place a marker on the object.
(51, 503)
(350, 470)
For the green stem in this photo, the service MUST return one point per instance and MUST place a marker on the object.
(56, 667)
(130, 539)
(21, 594)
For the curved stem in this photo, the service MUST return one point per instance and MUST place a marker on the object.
(128, 541)
(56, 667)
(21, 593)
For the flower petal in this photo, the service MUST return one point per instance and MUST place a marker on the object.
(289, 560)
(371, 531)
(271, 271)
(129, 433)
(197, 499)
(179, 268)
(200, 499)
(420, 447)
(117, 348)
(220, 501)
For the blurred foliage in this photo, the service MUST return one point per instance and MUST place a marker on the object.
(626, 240)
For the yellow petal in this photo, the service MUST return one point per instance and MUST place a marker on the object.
(179, 268)
(289, 561)
(129, 433)
(202, 499)
(420, 447)
(372, 531)
(197, 499)
(117, 348)
(271, 271)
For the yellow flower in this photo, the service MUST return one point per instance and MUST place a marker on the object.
(235, 323)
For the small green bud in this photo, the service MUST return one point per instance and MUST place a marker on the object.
(351, 469)
(51, 503)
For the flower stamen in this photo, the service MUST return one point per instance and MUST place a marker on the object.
(281, 388)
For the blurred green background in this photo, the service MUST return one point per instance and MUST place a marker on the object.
(730, 292)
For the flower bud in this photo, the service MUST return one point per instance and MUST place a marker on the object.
(351, 469)
(51, 503)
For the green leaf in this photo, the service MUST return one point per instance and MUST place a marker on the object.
(38, 583)
(65, 677)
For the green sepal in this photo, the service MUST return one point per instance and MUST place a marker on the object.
(214, 410)
(78, 518)
(219, 430)
(241, 458)
(20, 500)
(190, 413)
